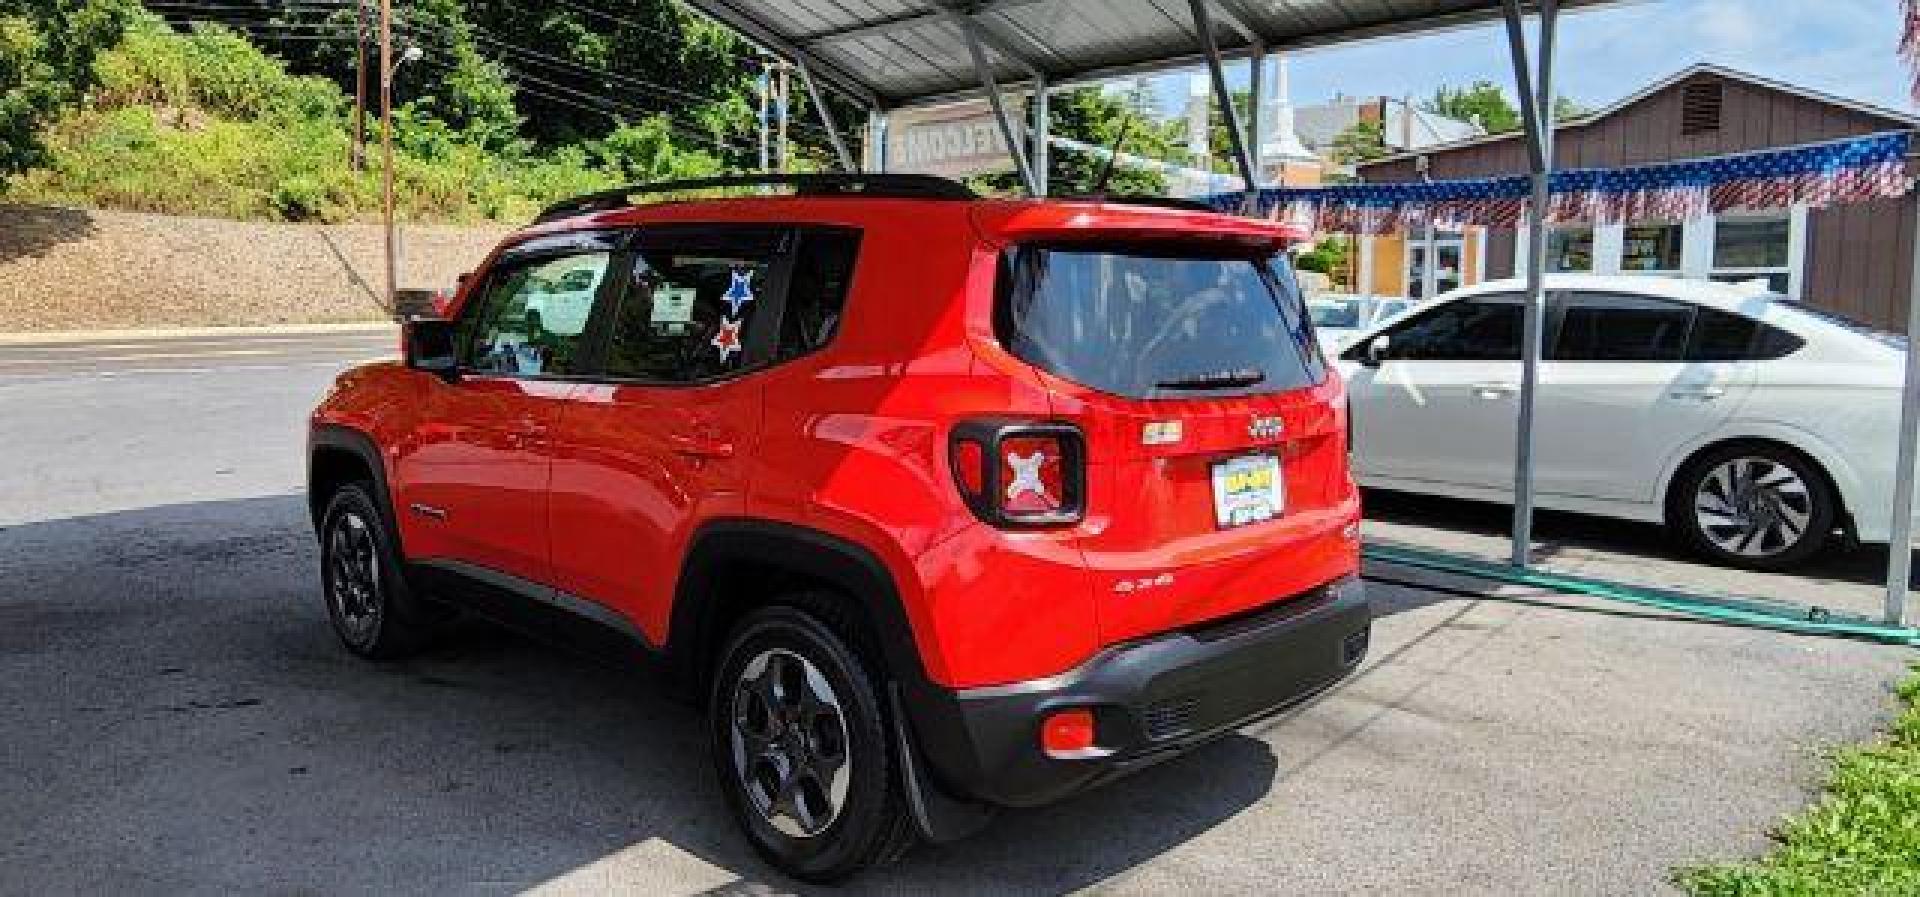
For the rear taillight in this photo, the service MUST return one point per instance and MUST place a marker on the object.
(1015, 473)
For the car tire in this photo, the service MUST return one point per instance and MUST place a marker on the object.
(801, 743)
(373, 609)
(1755, 506)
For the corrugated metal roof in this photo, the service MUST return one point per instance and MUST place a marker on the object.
(894, 53)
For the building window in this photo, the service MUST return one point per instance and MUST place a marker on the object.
(1570, 249)
(1753, 248)
(1651, 249)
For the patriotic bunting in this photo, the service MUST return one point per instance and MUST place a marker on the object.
(1823, 174)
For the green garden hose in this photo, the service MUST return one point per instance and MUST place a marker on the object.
(1780, 615)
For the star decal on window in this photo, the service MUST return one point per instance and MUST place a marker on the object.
(727, 340)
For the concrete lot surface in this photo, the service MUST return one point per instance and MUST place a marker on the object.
(178, 718)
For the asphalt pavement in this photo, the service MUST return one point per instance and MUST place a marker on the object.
(176, 717)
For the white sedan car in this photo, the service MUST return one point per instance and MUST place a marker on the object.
(1753, 426)
(1339, 317)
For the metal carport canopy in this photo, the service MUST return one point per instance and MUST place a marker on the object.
(889, 54)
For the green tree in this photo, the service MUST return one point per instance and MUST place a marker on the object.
(1093, 117)
(47, 48)
(1361, 142)
(1331, 256)
(582, 70)
(1485, 103)
(1482, 102)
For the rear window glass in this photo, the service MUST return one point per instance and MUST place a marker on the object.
(1157, 321)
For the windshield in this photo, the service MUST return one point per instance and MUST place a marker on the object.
(1157, 321)
(1839, 320)
(1340, 314)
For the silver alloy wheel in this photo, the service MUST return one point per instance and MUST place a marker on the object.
(353, 577)
(790, 743)
(1753, 506)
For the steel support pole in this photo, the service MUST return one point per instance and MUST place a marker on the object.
(1203, 24)
(983, 71)
(1042, 131)
(827, 121)
(876, 140)
(1538, 118)
(1900, 538)
(1256, 101)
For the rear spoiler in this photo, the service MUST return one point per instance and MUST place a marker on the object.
(1023, 221)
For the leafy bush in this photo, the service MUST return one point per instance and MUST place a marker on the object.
(46, 54)
(204, 123)
(213, 70)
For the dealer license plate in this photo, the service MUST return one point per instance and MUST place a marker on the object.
(1248, 490)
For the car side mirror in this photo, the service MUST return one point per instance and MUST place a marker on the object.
(1375, 352)
(429, 345)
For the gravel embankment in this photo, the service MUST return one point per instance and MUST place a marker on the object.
(73, 269)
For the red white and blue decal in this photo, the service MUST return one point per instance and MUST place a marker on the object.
(727, 339)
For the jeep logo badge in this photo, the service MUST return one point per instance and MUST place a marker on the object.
(1266, 428)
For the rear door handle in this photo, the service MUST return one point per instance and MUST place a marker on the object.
(526, 437)
(1494, 390)
(700, 446)
(1702, 393)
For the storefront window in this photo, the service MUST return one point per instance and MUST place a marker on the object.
(1449, 247)
(1651, 248)
(1570, 249)
(1750, 249)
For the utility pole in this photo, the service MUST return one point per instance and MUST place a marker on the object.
(781, 109)
(358, 153)
(765, 87)
(386, 150)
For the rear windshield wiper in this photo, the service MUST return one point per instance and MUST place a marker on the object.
(1217, 380)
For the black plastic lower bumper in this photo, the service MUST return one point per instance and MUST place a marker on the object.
(1152, 700)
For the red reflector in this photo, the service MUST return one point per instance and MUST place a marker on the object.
(1068, 734)
(1031, 476)
(970, 466)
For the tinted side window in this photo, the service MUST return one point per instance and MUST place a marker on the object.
(1483, 329)
(530, 319)
(695, 310)
(1725, 336)
(822, 271)
(1599, 327)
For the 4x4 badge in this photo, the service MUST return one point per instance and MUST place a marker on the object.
(1266, 428)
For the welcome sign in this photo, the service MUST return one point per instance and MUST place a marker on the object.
(955, 141)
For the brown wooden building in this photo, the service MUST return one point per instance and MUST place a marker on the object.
(1853, 259)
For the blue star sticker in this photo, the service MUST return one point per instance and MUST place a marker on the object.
(740, 292)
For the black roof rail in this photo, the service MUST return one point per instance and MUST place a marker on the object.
(1135, 199)
(890, 186)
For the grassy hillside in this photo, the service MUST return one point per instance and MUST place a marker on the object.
(206, 124)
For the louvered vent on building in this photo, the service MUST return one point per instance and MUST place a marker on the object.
(1700, 106)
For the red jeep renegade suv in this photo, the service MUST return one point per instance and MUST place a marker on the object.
(940, 504)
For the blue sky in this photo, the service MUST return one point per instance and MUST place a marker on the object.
(1845, 47)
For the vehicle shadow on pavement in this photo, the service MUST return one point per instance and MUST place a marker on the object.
(29, 231)
(180, 717)
(1560, 532)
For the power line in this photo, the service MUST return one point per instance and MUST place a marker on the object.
(484, 37)
(480, 36)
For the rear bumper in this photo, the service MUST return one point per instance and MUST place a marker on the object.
(1152, 699)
